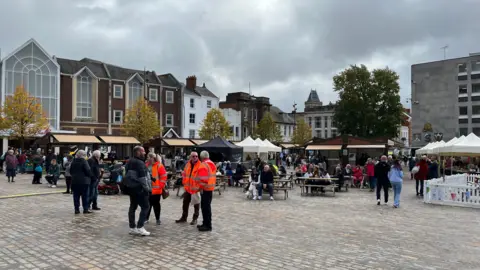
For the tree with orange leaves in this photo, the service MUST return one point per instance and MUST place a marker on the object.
(22, 115)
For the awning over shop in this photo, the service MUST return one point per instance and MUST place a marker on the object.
(197, 142)
(67, 138)
(323, 147)
(178, 142)
(288, 145)
(119, 140)
(371, 146)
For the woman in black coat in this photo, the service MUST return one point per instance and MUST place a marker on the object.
(81, 177)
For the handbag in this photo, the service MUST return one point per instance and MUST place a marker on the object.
(415, 169)
(165, 193)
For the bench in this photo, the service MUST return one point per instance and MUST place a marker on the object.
(331, 186)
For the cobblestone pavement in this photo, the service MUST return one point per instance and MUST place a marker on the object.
(344, 232)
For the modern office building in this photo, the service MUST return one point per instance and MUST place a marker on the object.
(445, 99)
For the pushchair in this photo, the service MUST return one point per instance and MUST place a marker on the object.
(110, 183)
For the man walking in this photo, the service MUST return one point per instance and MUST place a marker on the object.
(138, 184)
(191, 186)
(381, 174)
(208, 177)
(94, 164)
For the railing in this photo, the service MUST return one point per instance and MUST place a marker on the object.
(455, 190)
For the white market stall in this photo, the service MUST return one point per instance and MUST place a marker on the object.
(272, 147)
(252, 148)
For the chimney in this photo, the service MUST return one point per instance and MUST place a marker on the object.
(191, 82)
(203, 85)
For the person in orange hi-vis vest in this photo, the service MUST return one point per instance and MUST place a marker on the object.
(190, 183)
(208, 178)
(159, 173)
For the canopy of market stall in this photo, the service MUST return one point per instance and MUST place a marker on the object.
(272, 147)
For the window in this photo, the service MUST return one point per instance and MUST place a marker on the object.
(191, 133)
(244, 132)
(476, 109)
(254, 115)
(475, 120)
(290, 130)
(237, 130)
(134, 92)
(192, 118)
(475, 76)
(463, 121)
(462, 68)
(117, 91)
(318, 133)
(463, 110)
(462, 99)
(84, 95)
(462, 89)
(463, 131)
(153, 94)
(117, 116)
(310, 121)
(284, 130)
(169, 96)
(333, 123)
(476, 88)
(462, 78)
(231, 129)
(192, 103)
(325, 122)
(318, 123)
(334, 133)
(475, 98)
(209, 104)
(245, 113)
(169, 120)
(476, 131)
(475, 66)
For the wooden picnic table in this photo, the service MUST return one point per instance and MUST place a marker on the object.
(303, 186)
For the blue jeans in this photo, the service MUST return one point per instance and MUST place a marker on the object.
(93, 194)
(260, 189)
(22, 167)
(373, 182)
(80, 191)
(397, 189)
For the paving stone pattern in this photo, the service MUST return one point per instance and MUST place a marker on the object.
(348, 231)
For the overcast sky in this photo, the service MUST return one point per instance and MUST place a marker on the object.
(283, 48)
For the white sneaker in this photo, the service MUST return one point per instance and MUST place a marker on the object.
(53, 186)
(133, 231)
(271, 198)
(259, 198)
(143, 232)
(255, 198)
(378, 202)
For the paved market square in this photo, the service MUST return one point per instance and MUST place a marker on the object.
(348, 231)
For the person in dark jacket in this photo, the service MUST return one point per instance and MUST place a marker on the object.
(421, 175)
(139, 186)
(266, 181)
(239, 172)
(81, 178)
(381, 174)
(432, 169)
(411, 164)
(94, 164)
(48, 159)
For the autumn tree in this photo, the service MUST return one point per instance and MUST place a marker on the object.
(141, 122)
(22, 116)
(268, 129)
(369, 104)
(302, 133)
(215, 125)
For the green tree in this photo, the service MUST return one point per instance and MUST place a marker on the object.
(369, 104)
(268, 129)
(302, 133)
(22, 116)
(141, 122)
(215, 125)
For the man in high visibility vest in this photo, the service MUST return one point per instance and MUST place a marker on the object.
(190, 183)
(208, 177)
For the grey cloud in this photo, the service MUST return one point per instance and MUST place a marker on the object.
(284, 50)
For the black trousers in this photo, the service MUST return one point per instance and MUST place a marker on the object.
(80, 191)
(137, 199)
(155, 204)
(385, 185)
(68, 181)
(37, 177)
(421, 186)
(206, 204)
(187, 198)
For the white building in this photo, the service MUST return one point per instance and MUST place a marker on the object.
(197, 101)
(320, 117)
(284, 121)
(234, 118)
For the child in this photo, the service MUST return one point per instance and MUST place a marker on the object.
(37, 174)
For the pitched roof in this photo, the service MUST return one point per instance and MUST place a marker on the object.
(69, 66)
(199, 91)
(313, 96)
(279, 116)
(124, 74)
(169, 80)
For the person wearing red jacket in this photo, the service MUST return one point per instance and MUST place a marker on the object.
(208, 176)
(421, 175)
